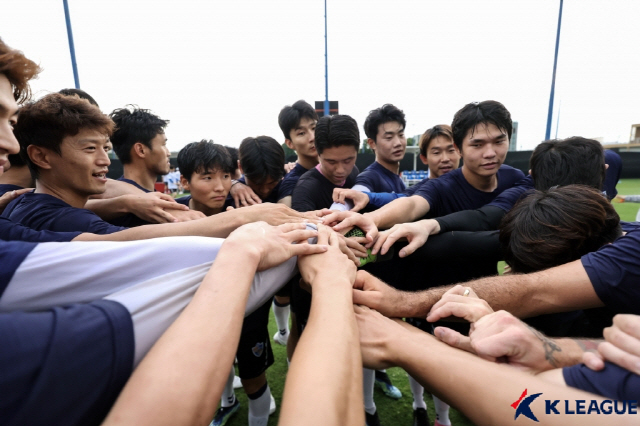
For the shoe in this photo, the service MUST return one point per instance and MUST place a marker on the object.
(280, 338)
(421, 418)
(237, 383)
(272, 406)
(372, 419)
(388, 388)
(224, 413)
(437, 423)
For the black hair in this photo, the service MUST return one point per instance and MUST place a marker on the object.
(134, 125)
(336, 130)
(568, 161)
(203, 157)
(439, 130)
(233, 152)
(551, 228)
(261, 158)
(290, 116)
(79, 93)
(385, 114)
(487, 112)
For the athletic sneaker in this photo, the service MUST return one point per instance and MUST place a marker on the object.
(272, 406)
(384, 382)
(420, 417)
(437, 423)
(280, 338)
(224, 413)
(372, 419)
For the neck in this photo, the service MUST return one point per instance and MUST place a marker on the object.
(207, 211)
(393, 167)
(481, 183)
(69, 197)
(140, 175)
(307, 162)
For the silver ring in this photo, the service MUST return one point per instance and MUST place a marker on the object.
(466, 291)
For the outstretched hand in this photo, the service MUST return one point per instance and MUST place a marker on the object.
(621, 345)
(344, 221)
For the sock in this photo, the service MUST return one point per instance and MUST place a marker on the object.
(281, 312)
(228, 397)
(418, 394)
(383, 376)
(259, 406)
(368, 380)
(442, 411)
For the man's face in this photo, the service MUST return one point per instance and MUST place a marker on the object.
(158, 159)
(263, 189)
(83, 163)
(302, 138)
(391, 143)
(337, 162)
(209, 188)
(442, 157)
(8, 118)
(484, 149)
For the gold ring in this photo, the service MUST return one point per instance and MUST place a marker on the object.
(466, 291)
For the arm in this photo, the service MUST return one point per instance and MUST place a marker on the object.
(149, 207)
(461, 379)
(180, 380)
(401, 210)
(286, 201)
(316, 375)
(116, 188)
(486, 218)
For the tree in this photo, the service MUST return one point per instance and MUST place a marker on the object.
(365, 149)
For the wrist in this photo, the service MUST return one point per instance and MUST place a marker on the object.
(241, 248)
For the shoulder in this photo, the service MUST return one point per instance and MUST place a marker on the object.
(511, 172)
(184, 200)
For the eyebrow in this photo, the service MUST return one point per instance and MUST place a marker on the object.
(502, 136)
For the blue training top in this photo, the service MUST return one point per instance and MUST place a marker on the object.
(290, 180)
(379, 179)
(612, 382)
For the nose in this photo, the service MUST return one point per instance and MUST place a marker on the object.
(217, 185)
(103, 158)
(8, 142)
(312, 136)
(489, 152)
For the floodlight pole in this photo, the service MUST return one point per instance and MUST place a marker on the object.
(72, 49)
(326, 66)
(553, 79)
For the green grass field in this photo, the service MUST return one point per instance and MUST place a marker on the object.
(398, 412)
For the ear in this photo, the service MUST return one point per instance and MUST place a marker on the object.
(289, 143)
(139, 149)
(529, 171)
(423, 158)
(371, 143)
(184, 182)
(40, 156)
(606, 166)
(240, 168)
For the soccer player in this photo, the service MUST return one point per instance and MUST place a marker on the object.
(261, 162)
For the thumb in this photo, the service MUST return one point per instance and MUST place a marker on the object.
(453, 338)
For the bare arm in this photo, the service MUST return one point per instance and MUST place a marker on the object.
(324, 383)
(401, 210)
(116, 188)
(286, 201)
(462, 379)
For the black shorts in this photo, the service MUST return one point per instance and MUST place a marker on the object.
(300, 303)
(254, 349)
(285, 291)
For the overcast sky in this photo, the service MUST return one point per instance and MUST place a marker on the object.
(222, 70)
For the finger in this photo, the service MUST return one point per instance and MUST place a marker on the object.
(453, 338)
(165, 197)
(366, 298)
(622, 340)
(469, 312)
(593, 360)
(354, 245)
(336, 195)
(164, 204)
(229, 208)
(495, 346)
(628, 323)
(236, 200)
(616, 355)
(164, 217)
(307, 249)
(300, 235)
(361, 278)
(18, 192)
(334, 240)
(288, 227)
(413, 245)
(346, 223)
(323, 235)
(390, 240)
(254, 199)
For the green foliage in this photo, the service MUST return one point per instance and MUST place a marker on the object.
(365, 147)
(287, 151)
(411, 142)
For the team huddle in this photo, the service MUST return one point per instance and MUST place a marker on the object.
(122, 305)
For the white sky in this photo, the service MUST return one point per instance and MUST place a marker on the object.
(222, 70)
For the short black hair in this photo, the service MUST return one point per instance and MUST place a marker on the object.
(336, 130)
(261, 158)
(203, 157)
(290, 116)
(487, 112)
(233, 152)
(134, 125)
(571, 161)
(439, 130)
(79, 93)
(554, 227)
(385, 114)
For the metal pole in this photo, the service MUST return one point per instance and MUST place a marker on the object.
(553, 79)
(72, 49)
(326, 66)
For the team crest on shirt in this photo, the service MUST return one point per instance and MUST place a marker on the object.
(258, 349)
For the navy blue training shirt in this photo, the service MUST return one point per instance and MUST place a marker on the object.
(613, 382)
(511, 196)
(452, 193)
(612, 175)
(614, 272)
(134, 183)
(46, 212)
(379, 179)
(290, 180)
(6, 187)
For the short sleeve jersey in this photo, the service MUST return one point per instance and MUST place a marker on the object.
(452, 193)
(290, 180)
(511, 196)
(612, 175)
(614, 272)
(134, 183)
(46, 212)
(612, 382)
(379, 179)
(315, 192)
(130, 220)
(68, 368)
(11, 231)
(6, 187)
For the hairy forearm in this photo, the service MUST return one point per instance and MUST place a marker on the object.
(401, 210)
(324, 383)
(157, 392)
(108, 208)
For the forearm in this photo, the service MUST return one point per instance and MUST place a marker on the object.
(115, 188)
(401, 210)
(327, 363)
(461, 379)
(286, 201)
(108, 208)
(486, 218)
(157, 393)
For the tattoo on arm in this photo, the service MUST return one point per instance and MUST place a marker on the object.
(588, 345)
(549, 346)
